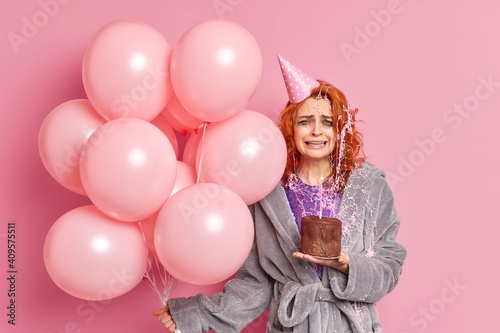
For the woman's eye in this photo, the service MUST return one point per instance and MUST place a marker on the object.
(303, 122)
(328, 123)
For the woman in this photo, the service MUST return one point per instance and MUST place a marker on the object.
(325, 172)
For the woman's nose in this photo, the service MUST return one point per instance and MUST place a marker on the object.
(316, 131)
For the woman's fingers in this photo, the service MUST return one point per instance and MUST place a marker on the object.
(169, 324)
(163, 315)
(310, 258)
(162, 310)
(171, 328)
(342, 260)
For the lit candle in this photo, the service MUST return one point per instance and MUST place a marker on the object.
(321, 197)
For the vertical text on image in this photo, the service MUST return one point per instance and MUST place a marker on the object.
(11, 272)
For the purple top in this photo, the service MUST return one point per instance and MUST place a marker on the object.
(307, 199)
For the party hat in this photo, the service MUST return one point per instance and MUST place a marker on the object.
(298, 84)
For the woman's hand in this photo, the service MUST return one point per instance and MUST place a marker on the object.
(341, 264)
(164, 316)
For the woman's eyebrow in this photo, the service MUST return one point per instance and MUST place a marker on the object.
(311, 116)
(306, 116)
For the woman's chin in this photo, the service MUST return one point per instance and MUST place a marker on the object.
(317, 156)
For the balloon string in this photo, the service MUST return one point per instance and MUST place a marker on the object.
(167, 279)
(201, 153)
(150, 277)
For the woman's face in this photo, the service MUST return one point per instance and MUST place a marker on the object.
(314, 129)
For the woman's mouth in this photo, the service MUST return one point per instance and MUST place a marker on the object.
(315, 144)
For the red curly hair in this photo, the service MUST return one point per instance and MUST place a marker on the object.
(351, 141)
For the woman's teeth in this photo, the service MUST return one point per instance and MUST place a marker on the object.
(322, 143)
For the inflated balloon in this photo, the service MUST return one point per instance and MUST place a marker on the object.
(246, 153)
(190, 153)
(164, 126)
(179, 118)
(216, 68)
(61, 139)
(126, 71)
(94, 257)
(128, 169)
(186, 176)
(203, 234)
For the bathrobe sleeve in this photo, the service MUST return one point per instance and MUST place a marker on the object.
(243, 299)
(375, 271)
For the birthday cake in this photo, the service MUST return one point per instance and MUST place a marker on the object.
(321, 237)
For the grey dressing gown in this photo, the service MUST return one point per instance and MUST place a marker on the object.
(299, 301)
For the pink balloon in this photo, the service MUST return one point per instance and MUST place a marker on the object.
(203, 234)
(216, 68)
(163, 125)
(179, 118)
(126, 71)
(246, 153)
(128, 169)
(92, 256)
(61, 139)
(186, 176)
(191, 148)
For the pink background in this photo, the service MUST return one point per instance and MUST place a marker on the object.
(405, 72)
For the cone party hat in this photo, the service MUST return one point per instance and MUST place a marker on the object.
(298, 84)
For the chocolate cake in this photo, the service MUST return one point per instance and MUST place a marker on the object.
(321, 237)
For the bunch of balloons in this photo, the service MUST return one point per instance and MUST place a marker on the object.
(119, 148)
